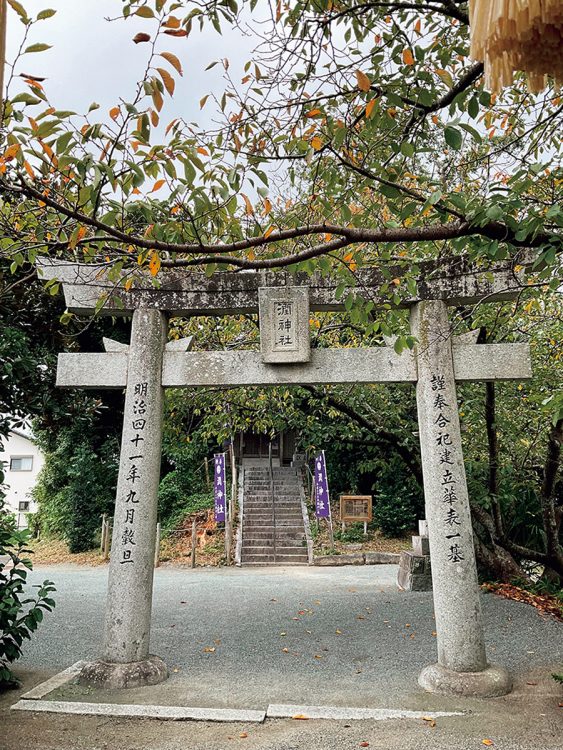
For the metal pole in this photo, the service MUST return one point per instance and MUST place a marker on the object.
(103, 534)
(157, 547)
(194, 542)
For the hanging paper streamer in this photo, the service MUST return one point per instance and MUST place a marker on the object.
(518, 35)
(219, 486)
(322, 503)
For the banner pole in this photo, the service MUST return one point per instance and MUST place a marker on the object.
(330, 528)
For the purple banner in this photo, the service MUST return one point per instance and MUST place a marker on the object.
(322, 504)
(220, 488)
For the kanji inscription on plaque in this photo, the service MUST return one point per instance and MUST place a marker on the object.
(284, 324)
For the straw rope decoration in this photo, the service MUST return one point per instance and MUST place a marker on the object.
(524, 35)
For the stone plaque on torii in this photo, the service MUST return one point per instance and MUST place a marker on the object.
(149, 364)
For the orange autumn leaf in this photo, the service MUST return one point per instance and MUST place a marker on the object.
(114, 113)
(417, 26)
(168, 81)
(267, 206)
(29, 170)
(176, 32)
(11, 151)
(313, 113)
(203, 151)
(370, 106)
(248, 205)
(172, 22)
(157, 185)
(154, 268)
(269, 231)
(488, 743)
(173, 60)
(300, 717)
(364, 82)
(157, 99)
(408, 57)
(155, 119)
(316, 143)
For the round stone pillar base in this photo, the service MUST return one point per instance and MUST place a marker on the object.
(105, 674)
(490, 683)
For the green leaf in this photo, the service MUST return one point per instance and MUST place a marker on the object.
(38, 47)
(47, 13)
(473, 107)
(453, 137)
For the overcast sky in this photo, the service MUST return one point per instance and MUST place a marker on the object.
(95, 60)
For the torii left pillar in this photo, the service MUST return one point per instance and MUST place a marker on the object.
(126, 661)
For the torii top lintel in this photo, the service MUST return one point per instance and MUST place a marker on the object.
(455, 281)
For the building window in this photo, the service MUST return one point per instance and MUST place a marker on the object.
(21, 463)
(23, 506)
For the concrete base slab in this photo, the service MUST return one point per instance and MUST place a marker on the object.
(57, 681)
(172, 713)
(104, 674)
(286, 711)
(490, 683)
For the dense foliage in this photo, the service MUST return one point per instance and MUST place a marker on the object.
(19, 617)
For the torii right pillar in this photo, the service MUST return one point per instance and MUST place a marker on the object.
(462, 667)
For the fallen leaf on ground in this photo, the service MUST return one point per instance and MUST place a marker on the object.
(488, 742)
(217, 642)
(364, 744)
(285, 650)
(300, 717)
(283, 633)
(175, 669)
(429, 720)
(545, 603)
(209, 649)
(318, 656)
(295, 618)
(360, 617)
(273, 600)
(243, 735)
(183, 602)
(338, 632)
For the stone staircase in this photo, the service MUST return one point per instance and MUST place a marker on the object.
(273, 536)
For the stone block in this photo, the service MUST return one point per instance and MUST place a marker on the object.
(382, 558)
(423, 528)
(421, 545)
(351, 559)
(414, 572)
(284, 324)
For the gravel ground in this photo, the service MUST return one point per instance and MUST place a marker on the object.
(315, 636)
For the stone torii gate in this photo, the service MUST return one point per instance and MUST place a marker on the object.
(149, 364)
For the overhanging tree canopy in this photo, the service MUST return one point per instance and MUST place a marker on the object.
(360, 134)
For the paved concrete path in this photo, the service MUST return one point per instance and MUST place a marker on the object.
(248, 637)
(385, 638)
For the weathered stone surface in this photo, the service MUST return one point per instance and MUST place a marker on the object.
(454, 281)
(461, 646)
(284, 324)
(414, 572)
(112, 675)
(351, 559)
(490, 682)
(381, 558)
(423, 528)
(128, 612)
(420, 545)
(369, 365)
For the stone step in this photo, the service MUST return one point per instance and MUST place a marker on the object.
(269, 559)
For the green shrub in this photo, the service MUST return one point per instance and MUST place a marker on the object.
(75, 486)
(19, 617)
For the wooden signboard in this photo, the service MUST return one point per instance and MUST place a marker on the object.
(355, 508)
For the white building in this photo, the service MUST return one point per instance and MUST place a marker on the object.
(22, 461)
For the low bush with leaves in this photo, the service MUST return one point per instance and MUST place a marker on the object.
(20, 613)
